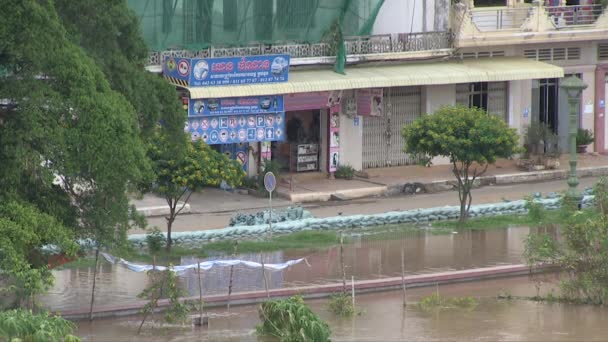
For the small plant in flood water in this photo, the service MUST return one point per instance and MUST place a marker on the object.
(291, 320)
(164, 285)
(438, 302)
(341, 304)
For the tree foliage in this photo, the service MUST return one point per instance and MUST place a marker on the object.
(69, 144)
(23, 230)
(581, 252)
(291, 320)
(178, 176)
(109, 31)
(23, 325)
(469, 137)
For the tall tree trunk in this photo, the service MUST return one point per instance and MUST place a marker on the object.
(170, 221)
(464, 207)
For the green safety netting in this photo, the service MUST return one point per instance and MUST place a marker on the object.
(197, 24)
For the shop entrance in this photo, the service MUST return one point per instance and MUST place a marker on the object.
(301, 150)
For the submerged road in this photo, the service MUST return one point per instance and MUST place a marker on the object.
(208, 219)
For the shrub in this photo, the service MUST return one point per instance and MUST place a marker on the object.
(540, 141)
(536, 211)
(291, 320)
(345, 172)
(23, 325)
(439, 302)
(584, 137)
(155, 240)
(341, 304)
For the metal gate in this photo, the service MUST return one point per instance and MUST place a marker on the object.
(382, 141)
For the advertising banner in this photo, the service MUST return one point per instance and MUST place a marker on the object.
(238, 128)
(236, 105)
(334, 139)
(201, 72)
(369, 102)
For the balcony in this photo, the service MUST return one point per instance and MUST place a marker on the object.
(526, 24)
(361, 48)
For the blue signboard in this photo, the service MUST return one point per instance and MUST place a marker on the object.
(238, 128)
(201, 72)
(236, 105)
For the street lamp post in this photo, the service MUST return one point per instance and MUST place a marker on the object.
(573, 86)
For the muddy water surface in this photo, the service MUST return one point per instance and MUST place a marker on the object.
(366, 258)
(385, 319)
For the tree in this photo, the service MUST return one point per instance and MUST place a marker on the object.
(22, 325)
(581, 251)
(177, 177)
(291, 320)
(69, 145)
(23, 232)
(109, 31)
(471, 139)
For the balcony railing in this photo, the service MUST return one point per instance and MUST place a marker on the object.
(361, 45)
(564, 16)
(495, 19)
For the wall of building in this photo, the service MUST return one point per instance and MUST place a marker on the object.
(399, 16)
(351, 141)
(520, 105)
(433, 97)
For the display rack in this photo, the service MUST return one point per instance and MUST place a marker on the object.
(304, 157)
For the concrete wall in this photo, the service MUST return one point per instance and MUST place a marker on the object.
(351, 141)
(434, 97)
(401, 16)
(520, 104)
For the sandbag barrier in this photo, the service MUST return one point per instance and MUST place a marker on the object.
(416, 216)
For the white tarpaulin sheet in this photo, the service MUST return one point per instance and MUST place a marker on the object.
(205, 265)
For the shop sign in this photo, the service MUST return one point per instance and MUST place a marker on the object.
(334, 139)
(306, 101)
(216, 130)
(236, 105)
(369, 102)
(201, 72)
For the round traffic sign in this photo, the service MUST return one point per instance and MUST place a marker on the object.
(270, 181)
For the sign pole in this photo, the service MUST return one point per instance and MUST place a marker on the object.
(270, 215)
(270, 183)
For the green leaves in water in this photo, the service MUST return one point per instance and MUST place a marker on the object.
(291, 320)
(23, 325)
(437, 302)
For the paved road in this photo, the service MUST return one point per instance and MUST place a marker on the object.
(219, 219)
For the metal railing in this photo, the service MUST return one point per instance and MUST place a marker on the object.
(564, 16)
(496, 19)
(360, 45)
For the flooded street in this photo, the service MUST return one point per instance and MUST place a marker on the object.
(367, 257)
(384, 319)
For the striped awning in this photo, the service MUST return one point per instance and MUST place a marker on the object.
(392, 75)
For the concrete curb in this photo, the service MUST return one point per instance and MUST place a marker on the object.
(411, 188)
(318, 291)
(161, 210)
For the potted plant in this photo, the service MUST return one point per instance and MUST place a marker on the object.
(584, 137)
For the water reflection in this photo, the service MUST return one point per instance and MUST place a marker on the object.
(367, 258)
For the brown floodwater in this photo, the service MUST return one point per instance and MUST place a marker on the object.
(383, 318)
(366, 258)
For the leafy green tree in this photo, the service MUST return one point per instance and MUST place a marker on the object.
(471, 139)
(23, 231)
(177, 177)
(110, 33)
(291, 320)
(23, 325)
(581, 251)
(69, 145)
